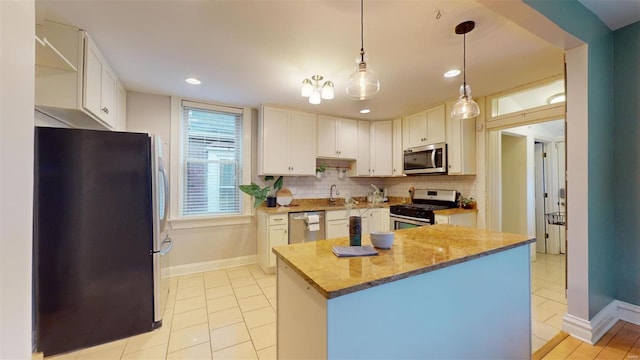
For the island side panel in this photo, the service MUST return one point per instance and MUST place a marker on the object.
(476, 309)
(301, 317)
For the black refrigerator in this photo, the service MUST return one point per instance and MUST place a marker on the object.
(100, 240)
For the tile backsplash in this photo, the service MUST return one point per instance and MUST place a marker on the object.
(310, 187)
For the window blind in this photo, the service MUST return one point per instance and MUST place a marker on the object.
(211, 154)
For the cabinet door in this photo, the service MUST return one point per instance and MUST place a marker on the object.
(397, 154)
(121, 109)
(347, 134)
(278, 235)
(108, 96)
(440, 219)
(302, 137)
(337, 228)
(381, 148)
(384, 220)
(364, 150)
(415, 129)
(436, 124)
(327, 139)
(92, 81)
(365, 224)
(275, 150)
(461, 145)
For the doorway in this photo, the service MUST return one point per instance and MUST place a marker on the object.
(531, 168)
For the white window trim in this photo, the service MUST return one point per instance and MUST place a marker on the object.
(176, 175)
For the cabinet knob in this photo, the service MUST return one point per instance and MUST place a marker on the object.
(285, 231)
(105, 110)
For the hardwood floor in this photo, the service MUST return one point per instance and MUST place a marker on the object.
(622, 341)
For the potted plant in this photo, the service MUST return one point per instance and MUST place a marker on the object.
(261, 194)
(467, 203)
(320, 169)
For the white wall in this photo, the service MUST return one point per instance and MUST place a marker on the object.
(17, 54)
(211, 246)
(514, 184)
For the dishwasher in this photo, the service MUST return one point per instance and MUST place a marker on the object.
(306, 226)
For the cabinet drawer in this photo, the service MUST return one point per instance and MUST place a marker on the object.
(278, 219)
(338, 214)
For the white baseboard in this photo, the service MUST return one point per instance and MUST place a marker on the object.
(591, 331)
(212, 265)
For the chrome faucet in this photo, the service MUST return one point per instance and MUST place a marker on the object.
(332, 200)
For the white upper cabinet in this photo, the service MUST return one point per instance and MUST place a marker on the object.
(425, 127)
(337, 138)
(364, 150)
(99, 95)
(286, 142)
(121, 109)
(396, 152)
(374, 148)
(461, 145)
(381, 141)
(83, 94)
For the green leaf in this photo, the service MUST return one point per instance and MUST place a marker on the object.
(278, 184)
(257, 202)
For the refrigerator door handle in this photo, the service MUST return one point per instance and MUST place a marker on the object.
(165, 182)
(167, 249)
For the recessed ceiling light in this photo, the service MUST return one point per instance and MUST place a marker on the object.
(556, 98)
(452, 73)
(193, 81)
(365, 111)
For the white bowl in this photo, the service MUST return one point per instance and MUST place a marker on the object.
(382, 239)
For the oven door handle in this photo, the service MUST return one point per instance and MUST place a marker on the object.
(410, 220)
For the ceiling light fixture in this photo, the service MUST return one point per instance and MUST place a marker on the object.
(452, 73)
(312, 90)
(363, 82)
(465, 107)
(365, 111)
(556, 98)
(193, 81)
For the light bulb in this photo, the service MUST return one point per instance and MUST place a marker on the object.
(315, 97)
(307, 88)
(327, 90)
(362, 83)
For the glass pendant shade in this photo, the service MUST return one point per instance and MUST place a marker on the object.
(315, 97)
(307, 88)
(465, 107)
(362, 83)
(327, 90)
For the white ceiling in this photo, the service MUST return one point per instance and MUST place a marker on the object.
(252, 52)
(614, 13)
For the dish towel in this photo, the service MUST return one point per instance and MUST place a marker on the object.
(345, 251)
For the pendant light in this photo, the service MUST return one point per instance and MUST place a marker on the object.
(363, 82)
(465, 107)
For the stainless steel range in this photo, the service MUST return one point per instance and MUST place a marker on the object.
(420, 213)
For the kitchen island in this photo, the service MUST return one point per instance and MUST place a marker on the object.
(440, 292)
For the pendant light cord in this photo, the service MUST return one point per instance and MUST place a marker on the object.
(362, 30)
(464, 62)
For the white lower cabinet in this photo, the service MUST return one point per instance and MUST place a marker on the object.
(467, 219)
(273, 230)
(337, 225)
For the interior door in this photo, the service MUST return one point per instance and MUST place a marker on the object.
(562, 193)
(541, 229)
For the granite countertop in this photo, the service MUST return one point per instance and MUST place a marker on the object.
(415, 251)
(300, 205)
(454, 211)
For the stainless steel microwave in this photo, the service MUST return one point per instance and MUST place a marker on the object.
(427, 159)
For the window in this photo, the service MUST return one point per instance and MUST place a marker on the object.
(211, 145)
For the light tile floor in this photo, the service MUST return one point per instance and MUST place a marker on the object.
(221, 314)
(230, 314)
(548, 300)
